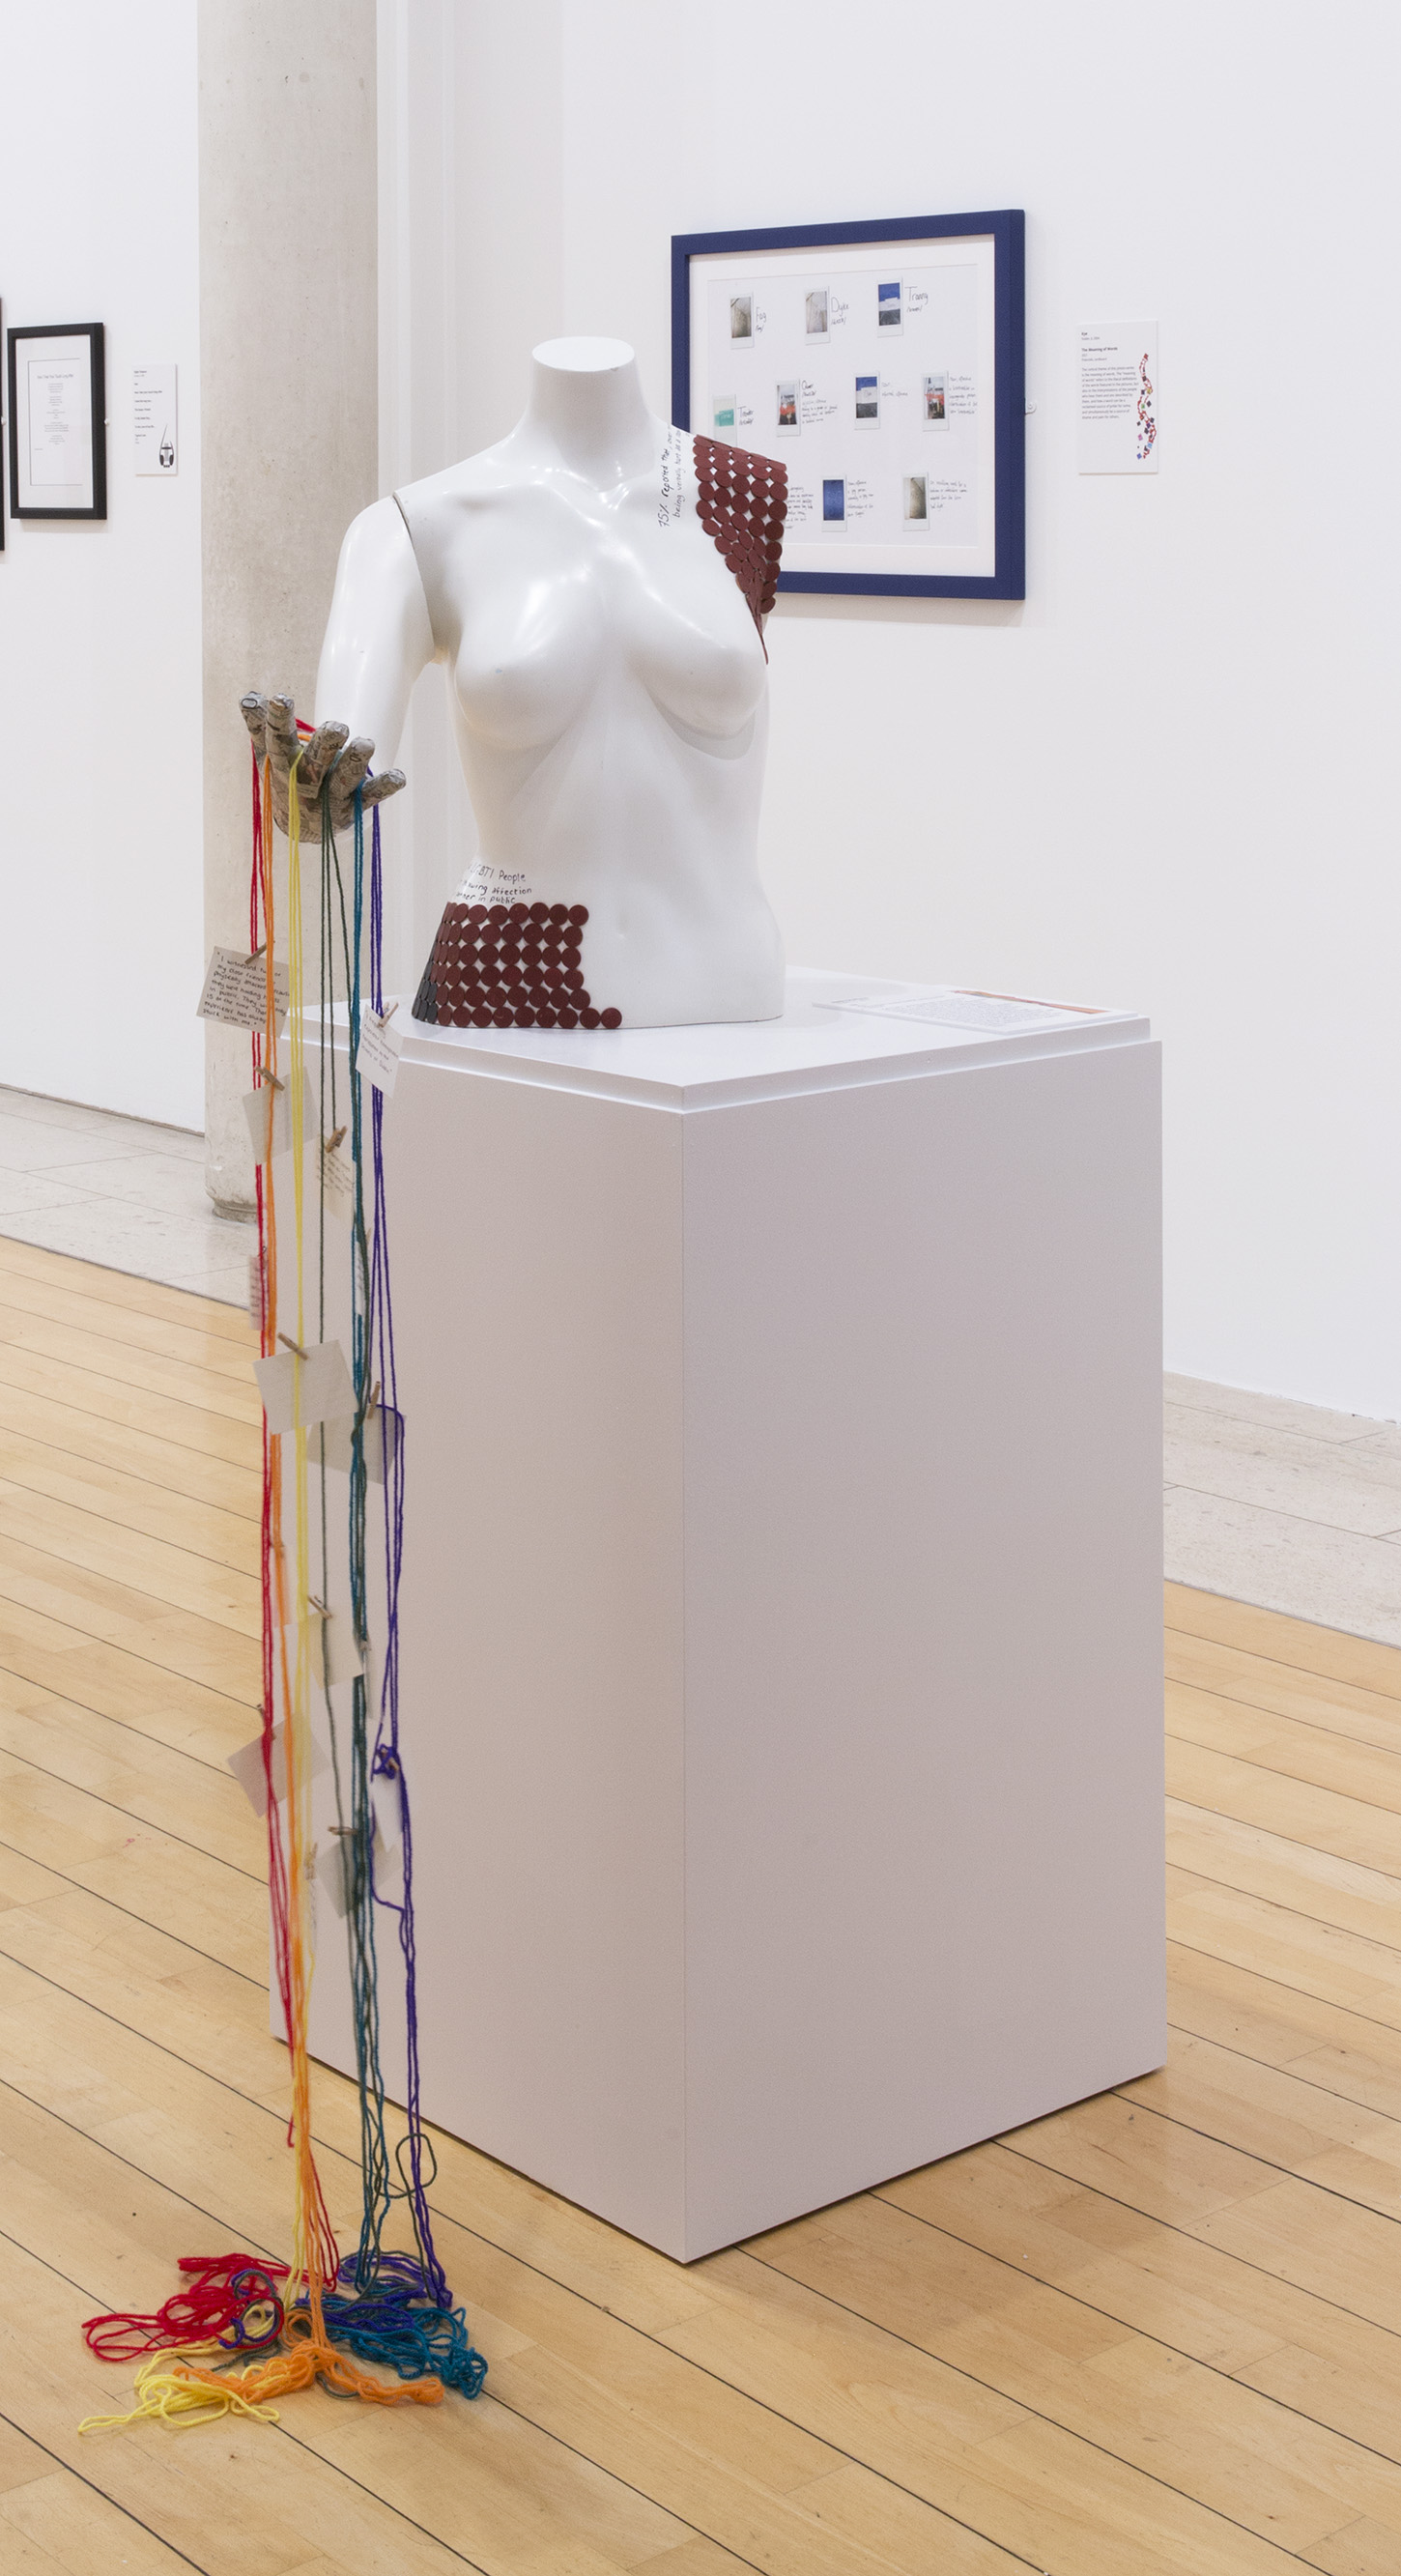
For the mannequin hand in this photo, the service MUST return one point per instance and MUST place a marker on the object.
(327, 753)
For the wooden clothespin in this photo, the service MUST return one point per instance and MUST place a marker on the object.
(293, 1346)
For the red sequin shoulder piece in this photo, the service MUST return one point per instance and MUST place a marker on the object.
(742, 502)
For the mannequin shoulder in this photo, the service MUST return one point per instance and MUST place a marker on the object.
(477, 478)
(377, 545)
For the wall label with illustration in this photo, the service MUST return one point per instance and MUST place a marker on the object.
(1118, 431)
(883, 365)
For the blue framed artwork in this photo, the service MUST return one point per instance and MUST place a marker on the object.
(883, 364)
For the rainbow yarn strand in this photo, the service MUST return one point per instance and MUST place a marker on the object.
(320, 2317)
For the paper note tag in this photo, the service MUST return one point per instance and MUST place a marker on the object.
(298, 1392)
(335, 1866)
(335, 1650)
(331, 1445)
(268, 1111)
(338, 1181)
(333, 1871)
(378, 1056)
(255, 1291)
(247, 1768)
(236, 989)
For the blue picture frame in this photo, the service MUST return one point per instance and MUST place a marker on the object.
(1007, 228)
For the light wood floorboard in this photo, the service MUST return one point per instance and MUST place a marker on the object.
(1156, 2333)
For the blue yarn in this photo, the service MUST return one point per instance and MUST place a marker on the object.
(398, 2322)
(392, 2308)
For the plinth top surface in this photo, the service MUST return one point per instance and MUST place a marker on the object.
(835, 1030)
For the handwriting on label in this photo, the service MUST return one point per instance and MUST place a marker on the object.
(236, 989)
(378, 1055)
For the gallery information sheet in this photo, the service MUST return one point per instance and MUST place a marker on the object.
(155, 426)
(1118, 398)
(60, 421)
(869, 375)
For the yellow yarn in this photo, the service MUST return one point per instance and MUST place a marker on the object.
(169, 2385)
(166, 2388)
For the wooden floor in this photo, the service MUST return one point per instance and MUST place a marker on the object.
(1157, 2332)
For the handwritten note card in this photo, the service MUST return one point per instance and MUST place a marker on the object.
(380, 1046)
(235, 989)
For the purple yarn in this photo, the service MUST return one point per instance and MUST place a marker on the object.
(386, 1763)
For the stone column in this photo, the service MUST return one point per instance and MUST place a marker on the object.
(289, 402)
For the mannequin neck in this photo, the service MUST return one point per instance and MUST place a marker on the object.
(587, 413)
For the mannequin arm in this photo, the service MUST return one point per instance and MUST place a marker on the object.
(378, 639)
(378, 635)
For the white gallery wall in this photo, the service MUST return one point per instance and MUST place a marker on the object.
(1165, 781)
(100, 622)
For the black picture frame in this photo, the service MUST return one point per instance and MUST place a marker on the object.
(1007, 229)
(28, 332)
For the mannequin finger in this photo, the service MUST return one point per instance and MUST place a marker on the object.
(352, 764)
(324, 746)
(282, 731)
(346, 777)
(254, 711)
(388, 783)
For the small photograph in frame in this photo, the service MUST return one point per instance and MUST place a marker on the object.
(786, 409)
(723, 412)
(815, 313)
(867, 413)
(58, 430)
(741, 317)
(834, 500)
(890, 304)
(916, 500)
(934, 402)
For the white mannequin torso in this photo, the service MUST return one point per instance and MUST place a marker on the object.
(607, 679)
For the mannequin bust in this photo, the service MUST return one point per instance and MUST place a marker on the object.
(594, 586)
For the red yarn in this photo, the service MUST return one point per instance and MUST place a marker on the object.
(223, 2288)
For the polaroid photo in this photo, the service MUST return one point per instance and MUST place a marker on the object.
(834, 500)
(741, 317)
(722, 412)
(868, 402)
(786, 408)
(934, 411)
(916, 500)
(815, 313)
(890, 304)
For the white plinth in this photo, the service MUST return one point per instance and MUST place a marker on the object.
(782, 1609)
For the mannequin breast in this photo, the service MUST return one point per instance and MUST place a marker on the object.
(610, 693)
(552, 606)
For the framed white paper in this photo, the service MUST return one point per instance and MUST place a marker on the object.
(155, 420)
(58, 429)
(1118, 431)
(882, 365)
